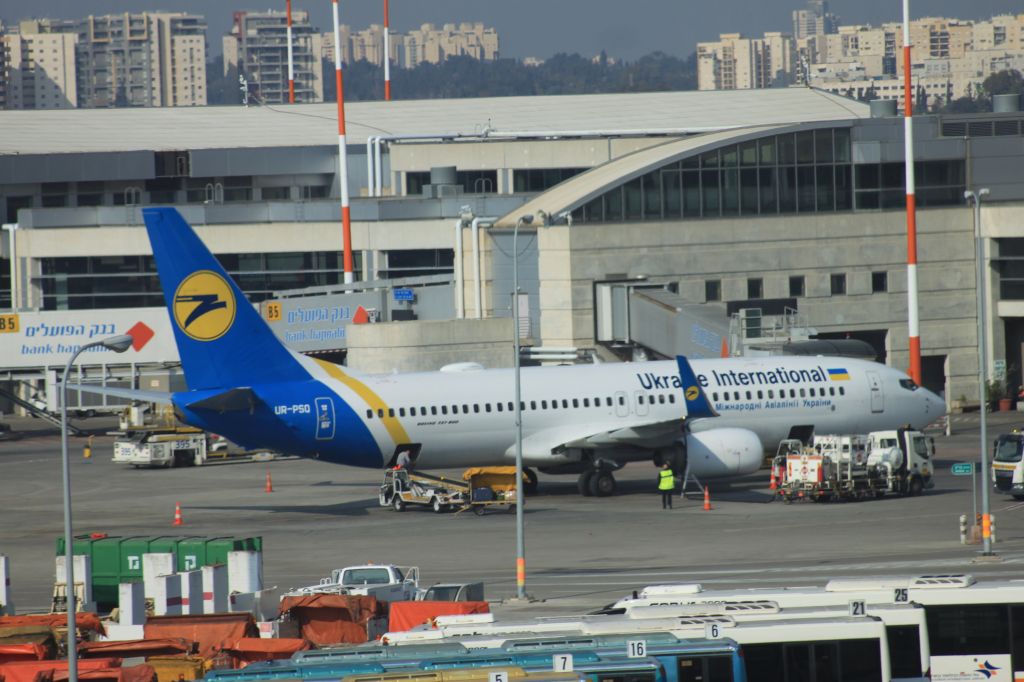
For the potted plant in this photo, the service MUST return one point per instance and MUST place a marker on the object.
(998, 393)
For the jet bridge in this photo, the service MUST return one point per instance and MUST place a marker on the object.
(634, 318)
(637, 319)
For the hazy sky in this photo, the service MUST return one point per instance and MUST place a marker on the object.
(625, 28)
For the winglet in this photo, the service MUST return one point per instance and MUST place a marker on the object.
(697, 404)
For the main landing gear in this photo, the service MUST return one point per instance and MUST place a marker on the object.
(597, 482)
(530, 484)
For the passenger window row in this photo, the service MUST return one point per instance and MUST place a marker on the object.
(487, 408)
(813, 392)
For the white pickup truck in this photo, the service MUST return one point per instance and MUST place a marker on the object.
(386, 582)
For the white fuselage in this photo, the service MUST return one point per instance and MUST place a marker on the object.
(466, 418)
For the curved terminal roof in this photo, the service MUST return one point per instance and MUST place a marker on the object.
(225, 127)
(582, 188)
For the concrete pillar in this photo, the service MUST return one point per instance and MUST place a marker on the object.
(6, 600)
(153, 566)
(191, 592)
(245, 571)
(166, 595)
(83, 579)
(131, 604)
(215, 589)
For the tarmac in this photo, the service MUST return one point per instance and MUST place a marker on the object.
(582, 553)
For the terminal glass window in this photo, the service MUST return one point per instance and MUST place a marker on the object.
(837, 283)
(1010, 266)
(471, 182)
(755, 288)
(802, 172)
(883, 185)
(796, 285)
(418, 262)
(713, 290)
(879, 282)
(540, 179)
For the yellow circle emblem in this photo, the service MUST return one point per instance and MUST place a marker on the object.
(692, 392)
(204, 306)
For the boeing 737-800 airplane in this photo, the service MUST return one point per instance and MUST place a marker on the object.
(716, 416)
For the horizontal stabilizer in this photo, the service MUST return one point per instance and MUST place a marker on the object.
(126, 393)
(232, 400)
(697, 404)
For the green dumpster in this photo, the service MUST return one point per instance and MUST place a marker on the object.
(118, 560)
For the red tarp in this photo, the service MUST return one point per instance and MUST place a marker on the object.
(211, 633)
(251, 649)
(40, 671)
(406, 615)
(332, 618)
(135, 673)
(84, 621)
(23, 652)
(135, 648)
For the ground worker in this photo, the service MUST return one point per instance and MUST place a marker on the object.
(666, 485)
(405, 460)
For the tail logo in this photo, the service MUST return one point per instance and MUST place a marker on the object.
(691, 393)
(204, 306)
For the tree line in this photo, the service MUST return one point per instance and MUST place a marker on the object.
(460, 77)
(562, 74)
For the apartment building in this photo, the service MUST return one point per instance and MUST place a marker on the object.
(738, 63)
(951, 57)
(38, 70)
(140, 60)
(152, 59)
(256, 48)
(428, 43)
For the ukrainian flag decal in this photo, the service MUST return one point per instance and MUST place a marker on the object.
(838, 374)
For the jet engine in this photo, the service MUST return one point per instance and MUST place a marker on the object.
(724, 452)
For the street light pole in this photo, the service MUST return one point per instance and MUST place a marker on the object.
(979, 265)
(520, 535)
(118, 344)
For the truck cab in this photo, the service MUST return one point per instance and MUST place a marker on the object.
(908, 454)
(1007, 464)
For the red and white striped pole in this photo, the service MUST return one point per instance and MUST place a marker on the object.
(291, 57)
(913, 321)
(346, 219)
(387, 53)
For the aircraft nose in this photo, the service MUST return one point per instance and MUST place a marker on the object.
(934, 405)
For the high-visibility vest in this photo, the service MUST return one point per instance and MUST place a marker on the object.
(666, 480)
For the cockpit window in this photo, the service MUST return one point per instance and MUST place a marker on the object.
(1008, 449)
(908, 384)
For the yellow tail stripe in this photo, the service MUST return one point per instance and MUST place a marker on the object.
(374, 401)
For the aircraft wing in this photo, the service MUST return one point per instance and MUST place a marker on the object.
(126, 393)
(651, 434)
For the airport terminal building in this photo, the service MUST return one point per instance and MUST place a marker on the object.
(787, 201)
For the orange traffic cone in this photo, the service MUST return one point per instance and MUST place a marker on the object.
(177, 515)
(269, 486)
(773, 484)
(707, 498)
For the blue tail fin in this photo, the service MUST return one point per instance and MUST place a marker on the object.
(222, 340)
(697, 404)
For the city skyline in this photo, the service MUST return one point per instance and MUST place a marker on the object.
(532, 28)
